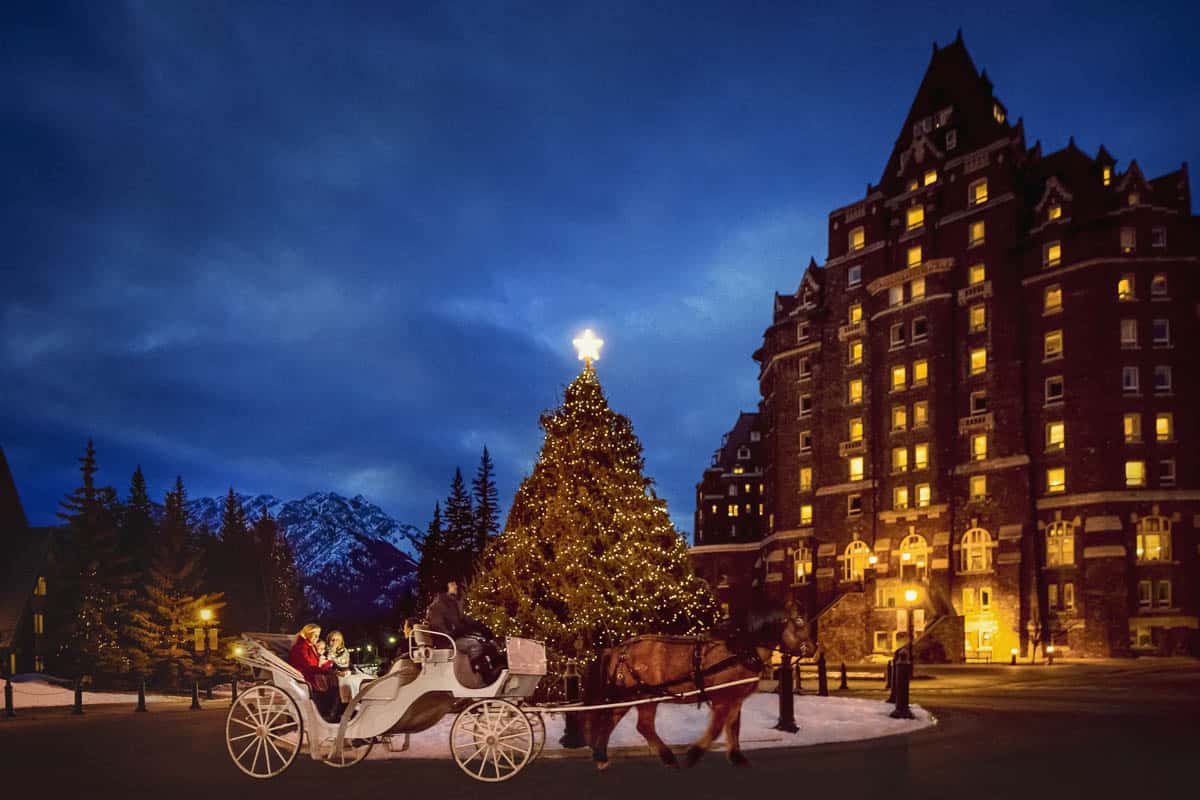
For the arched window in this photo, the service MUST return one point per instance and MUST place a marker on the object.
(855, 562)
(1060, 544)
(803, 564)
(976, 551)
(1154, 539)
(914, 558)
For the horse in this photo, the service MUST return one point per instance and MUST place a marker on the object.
(653, 666)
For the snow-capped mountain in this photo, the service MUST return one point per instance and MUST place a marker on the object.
(353, 557)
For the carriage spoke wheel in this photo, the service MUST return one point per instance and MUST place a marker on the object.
(538, 726)
(492, 740)
(263, 731)
(353, 751)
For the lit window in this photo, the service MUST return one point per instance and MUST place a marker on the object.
(855, 560)
(977, 193)
(1128, 240)
(978, 487)
(914, 217)
(1052, 299)
(856, 468)
(1054, 389)
(979, 402)
(854, 276)
(930, 177)
(923, 495)
(1162, 332)
(900, 498)
(968, 599)
(1162, 379)
(1125, 288)
(855, 315)
(1134, 198)
(978, 361)
(806, 405)
(1158, 237)
(805, 367)
(854, 354)
(1154, 539)
(917, 290)
(913, 185)
(732, 511)
(1068, 596)
(977, 317)
(1130, 383)
(1056, 435)
(1164, 427)
(1056, 479)
(914, 256)
(920, 456)
(1052, 344)
(856, 429)
(1158, 286)
(854, 391)
(976, 234)
(1060, 544)
(853, 505)
(896, 335)
(1132, 425)
(976, 274)
(803, 561)
(998, 113)
(976, 551)
(1166, 472)
(1129, 334)
(1135, 473)
(806, 514)
(895, 295)
(40, 588)
(714, 508)
(899, 459)
(1055, 212)
(899, 418)
(920, 329)
(39, 623)
(1107, 175)
(979, 447)
(805, 441)
(858, 239)
(806, 479)
(899, 378)
(920, 372)
(920, 414)
(1051, 254)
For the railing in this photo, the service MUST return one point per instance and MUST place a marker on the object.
(852, 329)
(976, 422)
(976, 292)
(852, 448)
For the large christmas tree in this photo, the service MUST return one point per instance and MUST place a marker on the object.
(589, 557)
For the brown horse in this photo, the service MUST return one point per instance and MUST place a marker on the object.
(656, 666)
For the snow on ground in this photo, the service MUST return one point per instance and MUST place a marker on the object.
(821, 720)
(37, 691)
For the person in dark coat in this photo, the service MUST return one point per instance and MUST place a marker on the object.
(471, 637)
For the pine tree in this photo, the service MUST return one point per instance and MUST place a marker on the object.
(459, 531)
(487, 502)
(589, 556)
(234, 570)
(280, 579)
(137, 524)
(433, 570)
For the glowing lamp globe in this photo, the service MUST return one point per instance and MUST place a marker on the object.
(910, 595)
(206, 614)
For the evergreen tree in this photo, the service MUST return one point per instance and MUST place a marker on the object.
(460, 531)
(280, 579)
(433, 569)
(588, 556)
(487, 502)
(234, 570)
(137, 524)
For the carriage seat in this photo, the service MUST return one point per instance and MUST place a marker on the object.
(280, 644)
(463, 673)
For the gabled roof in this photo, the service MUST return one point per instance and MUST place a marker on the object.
(12, 516)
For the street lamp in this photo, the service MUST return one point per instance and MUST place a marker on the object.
(206, 642)
(910, 597)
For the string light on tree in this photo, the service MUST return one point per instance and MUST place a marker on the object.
(588, 345)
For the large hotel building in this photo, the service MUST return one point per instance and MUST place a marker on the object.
(979, 415)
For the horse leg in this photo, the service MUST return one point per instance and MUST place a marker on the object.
(605, 723)
(720, 711)
(733, 729)
(645, 726)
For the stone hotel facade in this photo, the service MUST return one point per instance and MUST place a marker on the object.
(986, 395)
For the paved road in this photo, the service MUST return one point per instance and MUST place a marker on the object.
(1041, 735)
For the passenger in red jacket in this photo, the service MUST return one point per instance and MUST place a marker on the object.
(318, 673)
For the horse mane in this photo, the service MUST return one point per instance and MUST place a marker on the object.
(758, 627)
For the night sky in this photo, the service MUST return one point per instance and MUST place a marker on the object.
(293, 250)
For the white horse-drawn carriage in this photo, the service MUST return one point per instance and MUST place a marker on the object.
(491, 739)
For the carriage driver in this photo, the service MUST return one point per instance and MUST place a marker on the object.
(471, 637)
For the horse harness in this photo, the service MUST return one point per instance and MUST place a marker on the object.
(624, 663)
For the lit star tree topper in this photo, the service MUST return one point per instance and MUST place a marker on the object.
(588, 345)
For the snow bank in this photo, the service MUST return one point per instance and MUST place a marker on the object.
(821, 720)
(37, 691)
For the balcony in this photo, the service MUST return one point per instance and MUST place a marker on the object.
(852, 330)
(979, 291)
(976, 422)
(856, 447)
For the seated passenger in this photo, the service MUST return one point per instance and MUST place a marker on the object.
(318, 673)
(472, 638)
(337, 652)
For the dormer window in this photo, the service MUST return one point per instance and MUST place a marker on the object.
(914, 218)
(913, 185)
(998, 113)
(1054, 213)
(951, 139)
(930, 177)
(743, 455)
(858, 239)
(1128, 240)
(914, 256)
(1106, 174)
(978, 192)
(1051, 254)
(1134, 198)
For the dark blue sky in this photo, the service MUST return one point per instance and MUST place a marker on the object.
(296, 250)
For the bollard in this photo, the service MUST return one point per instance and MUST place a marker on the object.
(796, 677)
(894, 672)
(904, 671)
(195, 696)
(233, 694)
(141, 706)
(572, 733)
(787, 700)
(8, 699)
(887, 675)
(78, 696)
(208, 695)
(844, 685)
(1013, 660)
(822, 678)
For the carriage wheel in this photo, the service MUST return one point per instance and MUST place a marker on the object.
(539, 732)
(492, 740)
(353, 751)
(263, 731)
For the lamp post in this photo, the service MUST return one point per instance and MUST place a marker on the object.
(206, 643)
(910, 597)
